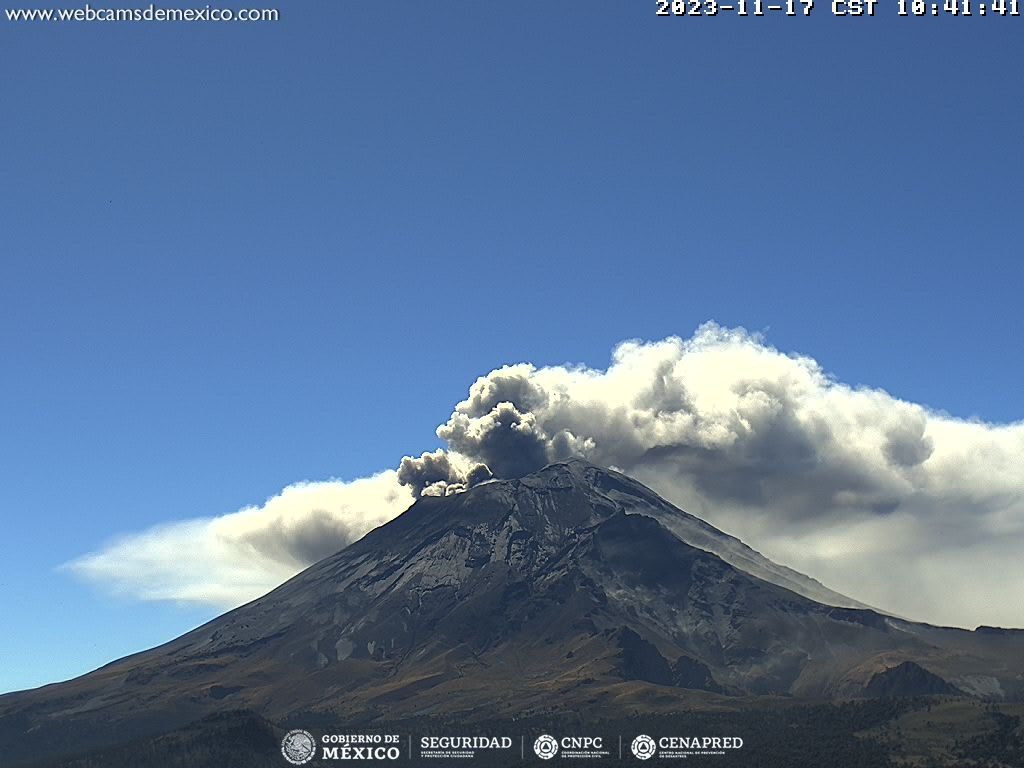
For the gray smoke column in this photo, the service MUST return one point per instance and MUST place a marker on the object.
(440, 473)
(737, 420)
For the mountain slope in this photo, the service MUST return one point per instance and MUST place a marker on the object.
(572, 585)
(635, 497)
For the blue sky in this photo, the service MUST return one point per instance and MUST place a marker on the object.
(236, 257)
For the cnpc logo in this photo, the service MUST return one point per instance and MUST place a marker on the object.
(547, 746)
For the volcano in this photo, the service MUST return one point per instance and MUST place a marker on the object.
(571, 586)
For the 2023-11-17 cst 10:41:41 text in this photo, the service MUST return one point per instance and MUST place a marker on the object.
(838, 7)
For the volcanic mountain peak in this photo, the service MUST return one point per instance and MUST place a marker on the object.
(570, 582)
(599, 493)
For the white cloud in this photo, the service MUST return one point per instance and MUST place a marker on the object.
(892, 503)
(228, 560)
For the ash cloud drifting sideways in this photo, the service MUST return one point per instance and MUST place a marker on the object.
(228, 560)
(896, 505)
